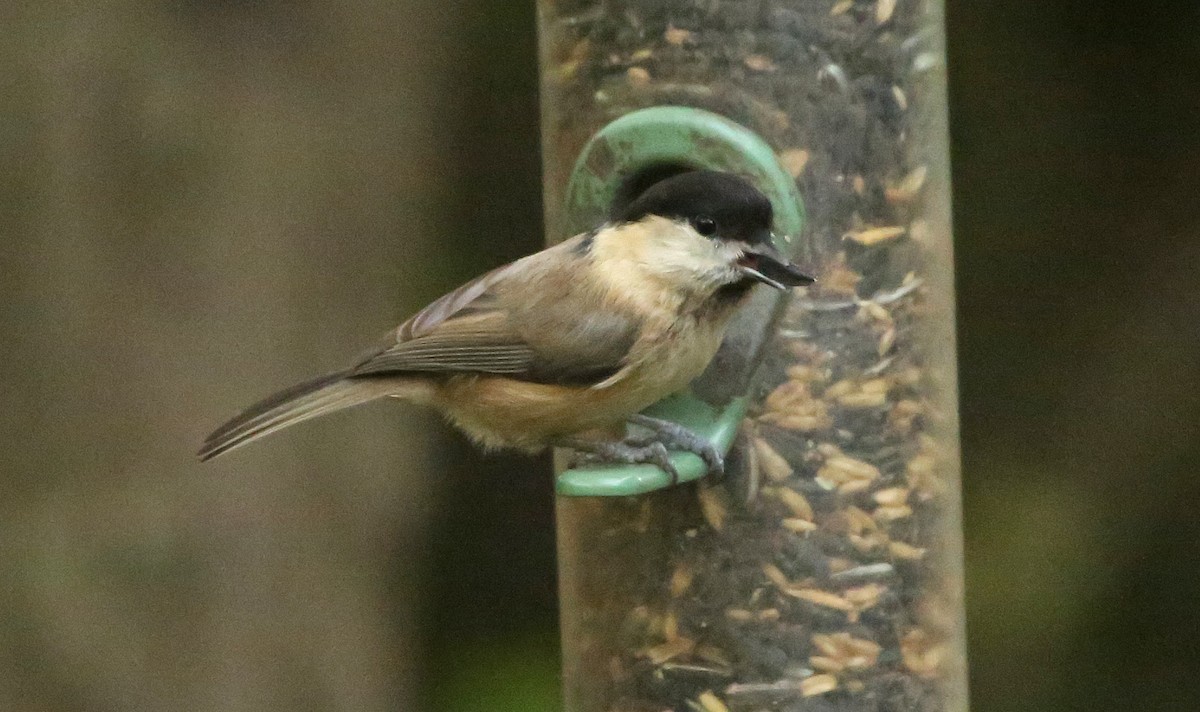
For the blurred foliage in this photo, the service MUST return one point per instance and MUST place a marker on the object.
(512, 672)
(158, 156)
(1074, 153)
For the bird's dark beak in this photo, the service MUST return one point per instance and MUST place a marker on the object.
(765, 264)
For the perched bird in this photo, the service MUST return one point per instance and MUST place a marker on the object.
(563, 346)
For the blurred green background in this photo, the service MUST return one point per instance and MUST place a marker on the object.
(203, 200)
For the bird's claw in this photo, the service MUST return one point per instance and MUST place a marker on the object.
(632, 453)
(650, 448)
(679, 437)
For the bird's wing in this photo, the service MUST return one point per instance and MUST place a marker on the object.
(523, 320)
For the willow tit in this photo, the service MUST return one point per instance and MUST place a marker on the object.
(564, 346)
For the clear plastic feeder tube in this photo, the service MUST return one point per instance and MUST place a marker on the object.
(824, 571)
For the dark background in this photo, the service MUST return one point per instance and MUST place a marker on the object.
(205, 200)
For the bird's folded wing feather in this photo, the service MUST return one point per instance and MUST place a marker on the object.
(521, 320)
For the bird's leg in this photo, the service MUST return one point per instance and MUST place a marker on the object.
(679, 437)
(650, 453)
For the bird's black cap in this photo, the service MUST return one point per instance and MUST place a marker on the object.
(720, 205)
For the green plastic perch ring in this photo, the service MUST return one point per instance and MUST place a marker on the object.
(663, 137)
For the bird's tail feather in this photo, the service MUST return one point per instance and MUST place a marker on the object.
(306, 400)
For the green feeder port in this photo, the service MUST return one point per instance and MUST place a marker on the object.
(618, 163)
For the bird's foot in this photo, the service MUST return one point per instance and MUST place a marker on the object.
(627, 453)
(676, 436)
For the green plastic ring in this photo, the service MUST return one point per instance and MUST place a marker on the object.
(676, 135)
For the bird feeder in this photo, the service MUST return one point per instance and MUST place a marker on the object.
(823, 571)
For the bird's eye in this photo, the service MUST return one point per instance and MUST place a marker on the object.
(705, 226)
